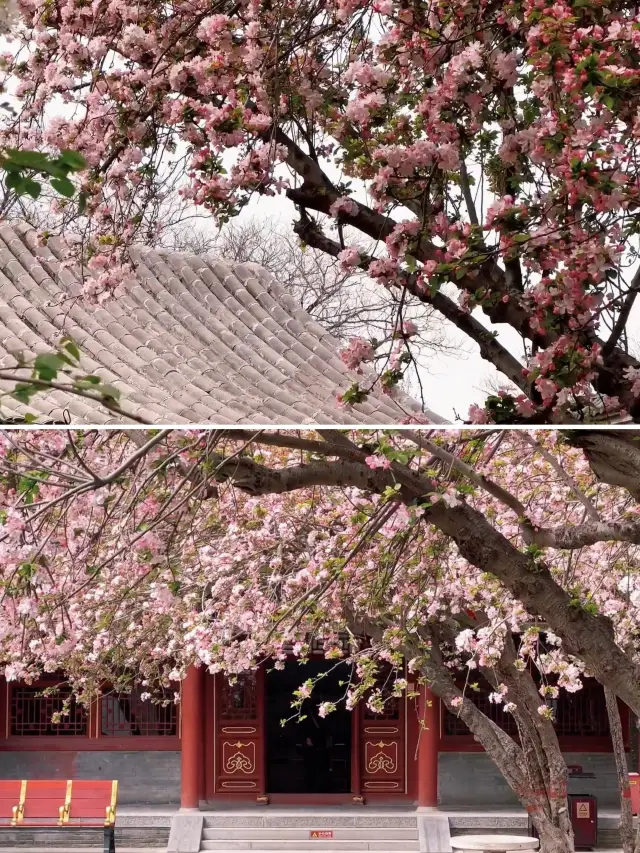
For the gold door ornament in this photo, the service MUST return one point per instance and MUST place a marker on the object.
(238, 758)
(381, 757)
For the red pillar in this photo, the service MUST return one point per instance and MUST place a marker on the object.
(429, 706)
(192, 730)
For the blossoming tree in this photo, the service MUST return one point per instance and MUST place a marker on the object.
(134, 555)
(489, 148)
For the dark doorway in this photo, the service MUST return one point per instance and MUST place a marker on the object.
(312, 756)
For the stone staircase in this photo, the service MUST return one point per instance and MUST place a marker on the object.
(293, 833)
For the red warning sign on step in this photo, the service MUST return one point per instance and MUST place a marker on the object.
(321, 833)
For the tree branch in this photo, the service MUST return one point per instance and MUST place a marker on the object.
(560, 471)
(623, 316)
(318, 193)
(466, 192)
(586, 636)
(490, 349)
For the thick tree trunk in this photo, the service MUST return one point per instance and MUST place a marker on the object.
(536, 771)
(614, 455)
(622, 772)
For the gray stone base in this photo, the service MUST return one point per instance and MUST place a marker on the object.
(471, 780)
(186, 833)
(68, 839)
(433, 832)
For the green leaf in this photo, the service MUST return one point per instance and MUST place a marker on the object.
(27, 570)
(14, 181)
(28, 159)
(82, 202)
(71, 347)
(63, 186)
(33, 188)
(30, 418)
(56, 170)
(73, 159)
(47, 365)
(23, 392)
(109, 392)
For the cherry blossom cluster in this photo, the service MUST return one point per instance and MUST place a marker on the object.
(499, 156)
(147, 572)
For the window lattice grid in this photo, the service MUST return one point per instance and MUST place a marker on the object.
(128, 715)
(31, 714)
(391, 703)
(239, 700)
(580, 714)
(453, 725)
(391, 708)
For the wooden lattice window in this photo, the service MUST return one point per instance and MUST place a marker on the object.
(317, 643)
(127, 715)
(31, 713)
(391, 703)
(239, 700)
(581, 714)
(453, 725)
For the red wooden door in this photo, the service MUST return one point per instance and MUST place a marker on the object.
(239, 735)
(381, 744)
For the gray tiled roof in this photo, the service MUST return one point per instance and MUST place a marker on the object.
(195, 340)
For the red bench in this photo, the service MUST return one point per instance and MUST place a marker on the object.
(44, 803)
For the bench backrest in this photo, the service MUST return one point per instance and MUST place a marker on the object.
(43, 799)
(94, 798)
(59, 801)
(9, 798)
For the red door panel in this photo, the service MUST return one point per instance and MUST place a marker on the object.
(239, 739)
(382, 749)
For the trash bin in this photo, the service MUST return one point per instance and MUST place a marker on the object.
(634, 788)
(583, 811)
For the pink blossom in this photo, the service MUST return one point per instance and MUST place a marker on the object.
(632, 374)
(343, 205)
(477, 415)
(378, 461)
(349, 258)
(358, 351)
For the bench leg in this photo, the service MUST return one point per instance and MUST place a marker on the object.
(109, 840)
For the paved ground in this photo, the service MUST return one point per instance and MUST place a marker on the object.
(119, 849)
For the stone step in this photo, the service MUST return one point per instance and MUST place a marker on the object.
(341, 833)
(309, 821)
(406, 849)
(297, 845)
